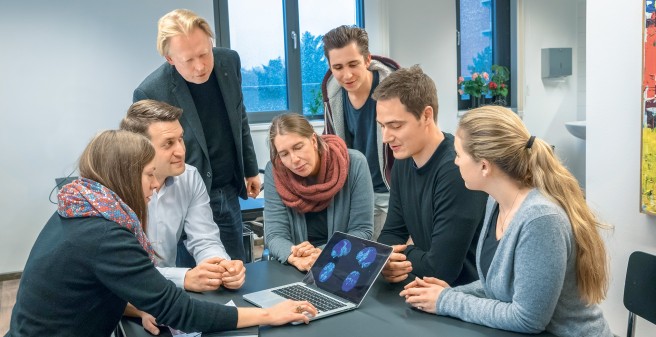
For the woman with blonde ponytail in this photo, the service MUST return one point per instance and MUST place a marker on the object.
(541, 260)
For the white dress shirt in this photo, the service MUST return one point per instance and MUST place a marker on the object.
(182, 203)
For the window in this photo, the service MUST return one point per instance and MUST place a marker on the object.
(483, 40)
(279, 43)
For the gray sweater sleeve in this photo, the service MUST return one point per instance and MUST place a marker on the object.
(475, 289)
(278, 227)
(360, 210)
(536, 267)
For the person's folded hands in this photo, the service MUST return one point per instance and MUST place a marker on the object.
(304, 263)
(234, 274)
(423, 293)
(206, 276)
(304, 249)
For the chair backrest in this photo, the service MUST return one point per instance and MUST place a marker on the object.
(640, 289)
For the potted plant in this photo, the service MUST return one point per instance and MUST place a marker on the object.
(497, 86)
(475, 87)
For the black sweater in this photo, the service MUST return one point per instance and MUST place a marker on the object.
(80, 274)
(432, 205)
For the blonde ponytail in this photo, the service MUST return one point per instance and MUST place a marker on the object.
(498, 135)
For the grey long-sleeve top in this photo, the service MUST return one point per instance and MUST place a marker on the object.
(531, 284)
(351, 210)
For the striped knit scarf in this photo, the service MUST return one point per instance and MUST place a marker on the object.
(87, 198)
(295, 192)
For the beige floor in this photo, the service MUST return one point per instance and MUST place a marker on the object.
(8, 291)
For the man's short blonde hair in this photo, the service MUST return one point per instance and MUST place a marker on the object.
(179, 22)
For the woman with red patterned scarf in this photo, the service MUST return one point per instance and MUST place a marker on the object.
(92, 257)
(313, 187)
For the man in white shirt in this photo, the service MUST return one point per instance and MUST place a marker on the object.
(181, 203)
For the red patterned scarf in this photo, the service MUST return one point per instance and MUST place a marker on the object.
(295, 192)
(87, 198)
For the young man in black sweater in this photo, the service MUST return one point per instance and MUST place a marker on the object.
(434, 220)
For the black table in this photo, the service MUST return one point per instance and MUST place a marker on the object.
(382, 313)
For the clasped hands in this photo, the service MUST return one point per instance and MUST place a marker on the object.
(422, 293)
(303, 256)
(214, 272)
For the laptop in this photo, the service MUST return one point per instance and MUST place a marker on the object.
(339, 279)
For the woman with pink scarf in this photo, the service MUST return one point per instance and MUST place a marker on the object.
(313, 187)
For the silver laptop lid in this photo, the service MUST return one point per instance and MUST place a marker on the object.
(348, 266)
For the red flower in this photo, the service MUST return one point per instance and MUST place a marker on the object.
(493, 85)
(503, 85)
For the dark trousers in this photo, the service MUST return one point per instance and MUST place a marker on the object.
(227, 215)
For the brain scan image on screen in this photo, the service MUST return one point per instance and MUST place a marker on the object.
(326, 272)
(350, 281)
(342, 248)
(366, 256)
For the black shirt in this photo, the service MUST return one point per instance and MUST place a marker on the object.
(317, 227)
(432, 205)
(220, 141)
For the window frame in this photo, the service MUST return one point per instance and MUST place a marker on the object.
(292, 55)
(501, 44)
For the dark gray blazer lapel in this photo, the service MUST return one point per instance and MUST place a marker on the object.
(228, 90)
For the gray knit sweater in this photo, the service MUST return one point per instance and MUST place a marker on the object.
(531, 283)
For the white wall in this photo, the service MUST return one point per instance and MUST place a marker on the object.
(376, 14)
(424, 32)
(549, 103)
(580, 59)
(614, 57)
(67, 70)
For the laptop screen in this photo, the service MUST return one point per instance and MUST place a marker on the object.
(348, 266)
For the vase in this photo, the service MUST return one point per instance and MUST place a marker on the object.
(476, 101)
(499, 100)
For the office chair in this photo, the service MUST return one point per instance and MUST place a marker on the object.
(640, 289)
(252, 214)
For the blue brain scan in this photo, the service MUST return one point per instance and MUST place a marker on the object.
(326, 272)
(342, 248)
(350, 281)
(366, 257)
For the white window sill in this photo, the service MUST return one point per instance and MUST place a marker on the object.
(519, 113)
(265, 126)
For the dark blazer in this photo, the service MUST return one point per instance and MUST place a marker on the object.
(167, 85)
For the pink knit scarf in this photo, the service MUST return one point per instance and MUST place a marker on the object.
(88, 198)
(297, 194)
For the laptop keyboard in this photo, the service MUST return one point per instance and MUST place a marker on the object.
(298, 292)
